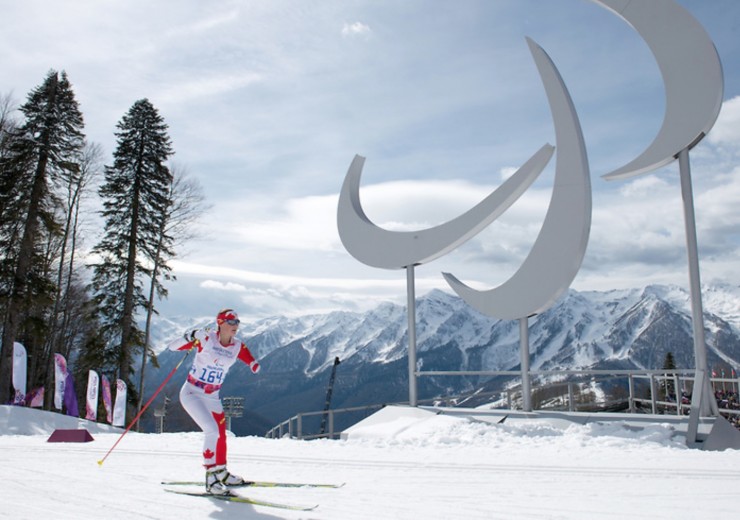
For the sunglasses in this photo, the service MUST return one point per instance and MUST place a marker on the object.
(232, 322)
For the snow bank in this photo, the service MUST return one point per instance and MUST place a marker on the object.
(18, 420)
(398, 425)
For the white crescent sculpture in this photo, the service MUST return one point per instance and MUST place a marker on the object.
(692, 75)
(558, 251)
(378, 247)
(694, 87)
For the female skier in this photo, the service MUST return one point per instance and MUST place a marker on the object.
(199, 396)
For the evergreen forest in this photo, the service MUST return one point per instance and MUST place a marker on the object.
(86, 241)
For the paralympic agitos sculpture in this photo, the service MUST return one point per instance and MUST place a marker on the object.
(692, 75)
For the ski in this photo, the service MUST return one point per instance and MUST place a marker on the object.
(259, 483)
(233, 497)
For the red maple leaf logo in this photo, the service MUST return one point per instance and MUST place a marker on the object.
(208, 454)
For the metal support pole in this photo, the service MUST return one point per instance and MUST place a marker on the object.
(707, 407)
(631, 386)
(677, 393)
(653, 394)
(411, 309)
(571, 401)
(524, 353)
(696, 395)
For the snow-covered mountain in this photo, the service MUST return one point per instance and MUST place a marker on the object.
(635, 327)
(632, 328)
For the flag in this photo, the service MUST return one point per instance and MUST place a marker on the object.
(119, 410)
(92, 396)
(70, 398)
(35, 398)
(19, 373)
(60, 377)
(106, 398)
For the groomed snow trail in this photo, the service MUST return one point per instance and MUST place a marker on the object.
(445, 469)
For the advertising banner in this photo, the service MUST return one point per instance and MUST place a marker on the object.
(119, 410)
(106, 398)
(60, 378)
(19, 373)
(93, 382)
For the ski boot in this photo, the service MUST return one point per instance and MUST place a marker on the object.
(219, 480)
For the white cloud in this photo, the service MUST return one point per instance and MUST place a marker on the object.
(309, 223)
(727, 128)
(222, 286)
(646, 186)
(508, 172)
(355, 29)
(207, 86)
(203, 25)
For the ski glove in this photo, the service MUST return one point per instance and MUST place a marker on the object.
(254, 366)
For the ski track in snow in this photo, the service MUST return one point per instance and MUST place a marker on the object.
(509, 474)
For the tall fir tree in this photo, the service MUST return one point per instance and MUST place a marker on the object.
(186, 203)
(9, 199)
(135, 197)
(42, 154)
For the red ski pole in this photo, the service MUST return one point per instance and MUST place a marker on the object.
(172, 373)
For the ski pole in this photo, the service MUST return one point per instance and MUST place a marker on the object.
(172, 373)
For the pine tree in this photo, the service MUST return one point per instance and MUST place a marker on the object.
(42, 154)
(185, 204)
(9, 199)
(135, 196)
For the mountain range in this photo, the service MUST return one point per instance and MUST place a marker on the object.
(619, 329)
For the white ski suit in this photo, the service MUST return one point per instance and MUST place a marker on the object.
(199, 395)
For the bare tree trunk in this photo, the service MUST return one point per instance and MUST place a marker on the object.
(147, 330)
(128, 299)
(59, 324)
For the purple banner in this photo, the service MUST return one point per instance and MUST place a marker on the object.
(106, 398)
(35, 398)
(70, 399)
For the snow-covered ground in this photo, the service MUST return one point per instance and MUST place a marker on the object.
(407, 466)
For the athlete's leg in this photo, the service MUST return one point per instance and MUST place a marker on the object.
(207, 411)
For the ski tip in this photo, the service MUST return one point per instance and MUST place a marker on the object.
(100, 462)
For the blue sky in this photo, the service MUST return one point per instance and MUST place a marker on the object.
(268, 102)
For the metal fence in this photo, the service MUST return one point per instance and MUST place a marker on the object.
(656, 384)
(297, 426)
(294, 427)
